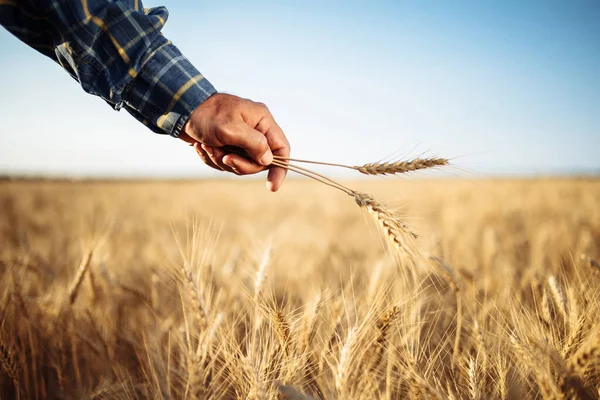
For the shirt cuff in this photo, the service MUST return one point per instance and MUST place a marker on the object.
(167, 90)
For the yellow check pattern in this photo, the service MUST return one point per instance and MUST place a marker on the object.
(115, 50)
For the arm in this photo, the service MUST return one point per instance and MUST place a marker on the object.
(115, 50)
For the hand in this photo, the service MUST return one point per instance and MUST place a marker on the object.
(226, 120)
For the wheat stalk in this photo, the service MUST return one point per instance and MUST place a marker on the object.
(380, 168)
(204, 344)
(450, 278)
(17, 293)
(310, 320)
(394, 229)
(261, 274)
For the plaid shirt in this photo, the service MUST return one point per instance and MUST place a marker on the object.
(115, 50)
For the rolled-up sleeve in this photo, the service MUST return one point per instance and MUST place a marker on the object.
(167, 90)
(116, 51)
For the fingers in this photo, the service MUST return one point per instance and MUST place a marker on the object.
(249, 139)
(242, 165)
(277, 142)
(205, 157)
(280, 147)
(275, 178)
(231, 162)
(216, 155)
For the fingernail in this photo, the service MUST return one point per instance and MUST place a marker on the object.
(267, 158)
(229, 162)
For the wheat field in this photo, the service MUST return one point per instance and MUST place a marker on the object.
(221, 290)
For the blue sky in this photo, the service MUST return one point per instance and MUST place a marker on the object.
(501, 87)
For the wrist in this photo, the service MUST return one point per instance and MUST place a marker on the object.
(191, 125)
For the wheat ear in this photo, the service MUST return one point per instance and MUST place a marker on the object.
(283, 331)
(195, 297)
(261, 274)
(383, 327)
(392, 226)
(559, 297)
(581, 360)
(83, 267)
(473, 373)
(9, 363)
(344, 362)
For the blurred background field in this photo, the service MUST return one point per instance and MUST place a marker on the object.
(535, 223)
(288, 294)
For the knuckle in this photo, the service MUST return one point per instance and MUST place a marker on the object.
(260, 142)
(281, 143)
(262, 125)
(262, 107)
(260, 139)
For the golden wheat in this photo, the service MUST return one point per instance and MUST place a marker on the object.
(498, 307)
(381, 168)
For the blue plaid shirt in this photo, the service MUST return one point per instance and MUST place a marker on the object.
(115, 50)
